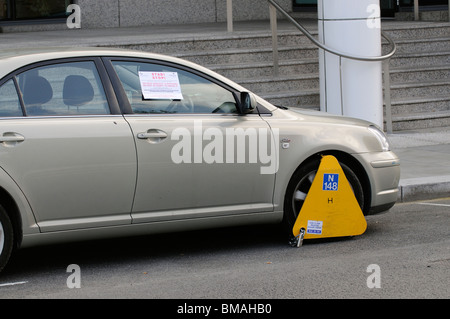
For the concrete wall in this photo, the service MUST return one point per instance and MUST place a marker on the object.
(126, 13)
(99, 13)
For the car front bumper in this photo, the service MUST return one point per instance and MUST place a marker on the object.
(383, 170)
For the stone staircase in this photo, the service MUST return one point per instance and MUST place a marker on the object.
(420, 81)
(250, 63)
(420, 75)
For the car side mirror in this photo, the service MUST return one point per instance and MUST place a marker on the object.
(248, 102)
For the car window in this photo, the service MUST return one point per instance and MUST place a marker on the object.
(9, 100)
(63, 89)
(171, 90)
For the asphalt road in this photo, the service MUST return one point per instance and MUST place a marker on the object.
(404, 253)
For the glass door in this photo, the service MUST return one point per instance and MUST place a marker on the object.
(305, 5)
(410, 3)
(388, 8)
(36, 9)
(4, 10)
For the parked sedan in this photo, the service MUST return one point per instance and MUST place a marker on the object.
(99, 143)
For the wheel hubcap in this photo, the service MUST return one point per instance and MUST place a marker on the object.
(301, 190)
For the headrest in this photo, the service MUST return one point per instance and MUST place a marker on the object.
(77, 90)
(37, 91)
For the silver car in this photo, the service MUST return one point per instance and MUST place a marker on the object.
(99, 143)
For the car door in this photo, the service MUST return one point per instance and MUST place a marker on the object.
(67, 146)
(197, 157)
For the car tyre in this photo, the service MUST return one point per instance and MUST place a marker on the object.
(6, 238)
(300, 184)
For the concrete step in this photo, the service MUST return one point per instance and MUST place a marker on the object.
(420, 89)
(420, 59)
(420, 73)
(427, 104)
(265, 68)
(253, 54)
(421, 120)
(431, 44)
(309, 99)
(215, 42)
(415, 30)
(294, 83)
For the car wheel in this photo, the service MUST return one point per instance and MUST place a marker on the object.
(6, 238)
(300, 184)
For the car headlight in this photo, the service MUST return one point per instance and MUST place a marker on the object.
(381, 137)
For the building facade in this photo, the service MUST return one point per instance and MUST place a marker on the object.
(126, 13)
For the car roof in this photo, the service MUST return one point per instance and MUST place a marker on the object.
(12, 59)
(44, 53)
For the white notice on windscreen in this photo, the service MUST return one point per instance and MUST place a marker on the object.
(160, 85)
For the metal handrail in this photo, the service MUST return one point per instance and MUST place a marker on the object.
(385, 58)
(328, 49)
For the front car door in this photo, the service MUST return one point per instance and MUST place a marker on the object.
(67, 148)
(197, 157)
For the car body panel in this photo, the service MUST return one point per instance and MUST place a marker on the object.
(384, 178)
(142, 229)
(201, 186)
(75, 172)
(26, 217)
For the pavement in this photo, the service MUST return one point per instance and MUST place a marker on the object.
(424, 154)
(425, 163)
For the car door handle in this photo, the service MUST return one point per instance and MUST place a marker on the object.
(152, 135)
(10, 138)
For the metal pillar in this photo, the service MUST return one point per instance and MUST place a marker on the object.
(416, 10)
(230, 15)
(274, 28)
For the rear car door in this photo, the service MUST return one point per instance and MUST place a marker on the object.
(65, 143)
